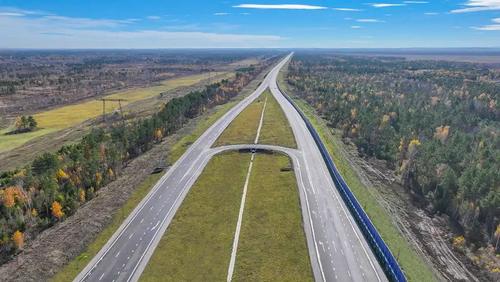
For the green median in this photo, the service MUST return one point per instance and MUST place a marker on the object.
(272, 244)
(275, 127)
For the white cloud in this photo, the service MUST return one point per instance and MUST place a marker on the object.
(81, 22)
(385, 5)
(369, 21)
(355, 26)
(431, 14)
(221, 14)
(154, 18)
(15, 12)
(491, 27)
(11, 14)
(66, 32)
(348, 9)
(280, 6)
(415, 2)
(477, 6)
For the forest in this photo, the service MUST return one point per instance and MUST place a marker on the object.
(435, 123)
(54, 185)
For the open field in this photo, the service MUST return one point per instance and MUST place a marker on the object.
(69, 272)
(72, 115)
(197, 244)
(414, 267)
(272, 243)
(275, 128)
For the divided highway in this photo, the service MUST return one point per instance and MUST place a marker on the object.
(337, 248)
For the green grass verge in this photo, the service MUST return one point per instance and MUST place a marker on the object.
(71, 270)
(197, 243)
(275, 128)
(272, 244)
(413, 265)
(243, 128)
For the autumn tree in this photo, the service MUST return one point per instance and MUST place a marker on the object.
(57, 211)
(158, 134)
(497, 236)
(18, 239)
(24, 124)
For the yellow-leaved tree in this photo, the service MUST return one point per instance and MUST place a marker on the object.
(158, 134)
(18, 239)
(10, 195)
(82, 195)
(98, 178)
(497, 235)
(61, 175)
(57, 211)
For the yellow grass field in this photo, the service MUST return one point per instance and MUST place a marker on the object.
(71, 115)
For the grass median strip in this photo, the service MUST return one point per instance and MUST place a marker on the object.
(197, 244)
(276, 130)
(272, 244)
(243, 128)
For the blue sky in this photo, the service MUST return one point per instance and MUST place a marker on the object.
(209, 23)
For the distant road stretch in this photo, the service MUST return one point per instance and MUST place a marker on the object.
(337, 248)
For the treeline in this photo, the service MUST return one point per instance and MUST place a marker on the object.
(54, 185)
(436, 123)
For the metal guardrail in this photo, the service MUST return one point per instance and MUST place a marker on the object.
(377, 244)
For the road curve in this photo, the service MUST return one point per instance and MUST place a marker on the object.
(336, 246)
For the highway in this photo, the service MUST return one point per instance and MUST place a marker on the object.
(336, 246)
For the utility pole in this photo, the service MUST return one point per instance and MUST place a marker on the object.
(111, 100)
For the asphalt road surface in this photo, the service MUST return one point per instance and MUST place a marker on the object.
(336, 246)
